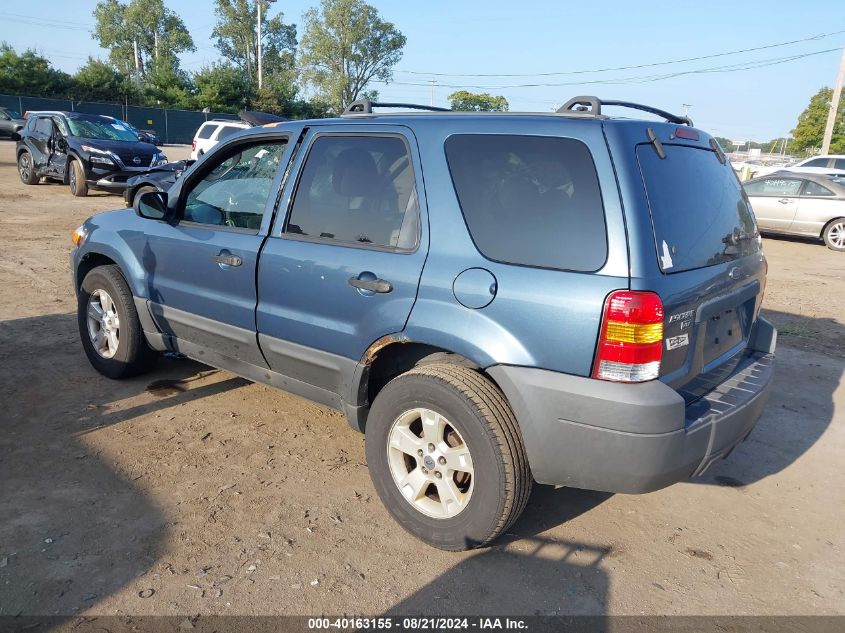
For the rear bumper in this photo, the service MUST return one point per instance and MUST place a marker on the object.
(633, 438)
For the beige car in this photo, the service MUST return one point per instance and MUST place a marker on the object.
(812, 205)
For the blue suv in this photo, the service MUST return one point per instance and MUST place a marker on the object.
(493, 299)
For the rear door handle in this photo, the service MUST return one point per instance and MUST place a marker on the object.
(373, 285)
(228, 260)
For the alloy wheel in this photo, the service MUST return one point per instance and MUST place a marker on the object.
(836, 235)
(430, 463)
(103, 323)
(24, 166)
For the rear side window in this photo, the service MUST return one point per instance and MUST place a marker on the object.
(816, 162)
(358, 189)
(227, 130)
(815, 189)
(530, 200)
(206, 131)
(839, 163)
(44, 126)
(700, 213)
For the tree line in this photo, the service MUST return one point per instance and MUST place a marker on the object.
(345, 45)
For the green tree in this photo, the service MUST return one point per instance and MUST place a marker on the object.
(159, 32)
(809, 133)
(165, 85)
(222, 87)
(30, 74)
(346, 45)
(236, 33)
(99, 81)
(477, 102)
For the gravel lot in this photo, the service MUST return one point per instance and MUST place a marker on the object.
(192, 491)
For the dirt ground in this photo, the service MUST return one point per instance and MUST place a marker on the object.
(192, 491)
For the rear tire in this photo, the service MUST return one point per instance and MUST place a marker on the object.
(76, 179)
(26, 170)
(834, 234)
(109, 328)
(474, 483)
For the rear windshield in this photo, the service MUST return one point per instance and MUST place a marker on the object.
(227, 130)
(206, 130)
(700, 213)
(530, 200)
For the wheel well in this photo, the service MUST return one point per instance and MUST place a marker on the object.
(89, 263)
(397, 358)
(824, 228)
(66, 176)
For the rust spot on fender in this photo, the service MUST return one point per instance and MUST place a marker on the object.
(380, 344)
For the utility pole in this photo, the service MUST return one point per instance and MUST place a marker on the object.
(137, 60)
(687, 106)
(834, 107)
(433, 86)
(258, 4)
(155, 36)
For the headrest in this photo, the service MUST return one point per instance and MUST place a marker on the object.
(354, 173)
(518, 193)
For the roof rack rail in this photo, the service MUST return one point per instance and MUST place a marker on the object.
(592, 105)
(365, 106)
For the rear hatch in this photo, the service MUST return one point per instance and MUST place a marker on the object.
(709, 253)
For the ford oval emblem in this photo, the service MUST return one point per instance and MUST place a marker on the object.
(136, 160)
(735, 273)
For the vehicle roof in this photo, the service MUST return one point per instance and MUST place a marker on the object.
(70, 115)
(228, 121)
(411, 118)
(823, 156)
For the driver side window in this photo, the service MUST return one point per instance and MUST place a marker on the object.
(236, 190)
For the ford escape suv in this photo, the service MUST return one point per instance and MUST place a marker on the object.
(493, 299)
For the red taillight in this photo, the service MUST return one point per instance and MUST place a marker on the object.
(631, 340)
(193, 145)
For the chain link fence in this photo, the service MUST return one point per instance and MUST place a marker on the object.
(172, 126)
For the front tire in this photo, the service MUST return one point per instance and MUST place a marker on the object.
(109, 328)
(26, 169)
(834, 234)
(76, 179)
(446, 456)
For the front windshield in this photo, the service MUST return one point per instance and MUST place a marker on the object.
(101, 129)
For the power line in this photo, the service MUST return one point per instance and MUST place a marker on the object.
(52, 25)
(635, 67)
(635, 79)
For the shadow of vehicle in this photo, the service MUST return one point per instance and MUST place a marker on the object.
(73, 529)
(535, 576)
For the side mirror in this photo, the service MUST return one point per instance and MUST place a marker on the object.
(15, 136)
(152, 205)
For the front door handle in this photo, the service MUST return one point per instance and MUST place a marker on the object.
(373, 285)
(228, 260)
(784, 200)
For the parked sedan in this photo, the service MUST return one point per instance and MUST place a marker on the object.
(831, 165)
(792, 203)
(10, 122)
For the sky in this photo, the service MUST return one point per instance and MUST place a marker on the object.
(456, 42)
